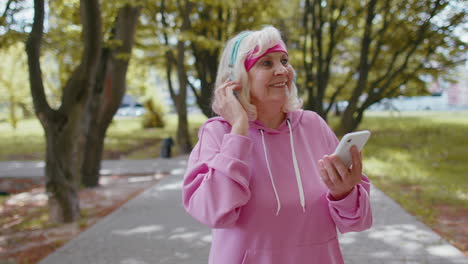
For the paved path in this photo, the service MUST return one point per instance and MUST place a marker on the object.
(28, 169)
(153, 228)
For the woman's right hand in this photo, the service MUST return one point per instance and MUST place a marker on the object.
(231, 108)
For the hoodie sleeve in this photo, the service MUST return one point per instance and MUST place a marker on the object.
(352, 213)
(216, 183)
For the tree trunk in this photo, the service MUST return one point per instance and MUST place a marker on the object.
(63, 126)
(108, 92)
(183, 135)
(63, 195)
(92, 161)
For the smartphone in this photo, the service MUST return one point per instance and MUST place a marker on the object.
(356, 138)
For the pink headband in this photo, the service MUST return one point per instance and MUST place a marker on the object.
(250, 61)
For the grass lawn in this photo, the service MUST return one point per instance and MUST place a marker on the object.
(421, 161)
(125, 139)
(426, 152)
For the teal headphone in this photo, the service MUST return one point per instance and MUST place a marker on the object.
(235, 50)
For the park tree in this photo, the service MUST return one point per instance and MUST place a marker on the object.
(75, 129)
(63, 125)
(362, 52)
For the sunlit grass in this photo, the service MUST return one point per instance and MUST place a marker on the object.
(125, 138)
(26, 140)
(419, 159)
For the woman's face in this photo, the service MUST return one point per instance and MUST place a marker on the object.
(270, 79)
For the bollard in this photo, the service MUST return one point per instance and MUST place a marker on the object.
(166, 147)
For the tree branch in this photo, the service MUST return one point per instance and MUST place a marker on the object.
(380, 34)
(333, 40)
(389, 75)
(383, 93)
(83, 78)
(338, 91)
(169, 56)
(33, 47)
(364, 55)
(194, 90)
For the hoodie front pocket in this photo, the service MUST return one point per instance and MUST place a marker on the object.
(328, 252)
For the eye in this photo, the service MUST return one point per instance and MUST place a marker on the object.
(266, 63)
(284, 61)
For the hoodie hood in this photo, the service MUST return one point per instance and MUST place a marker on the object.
(294, 118)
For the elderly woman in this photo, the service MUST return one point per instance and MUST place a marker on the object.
(262, 175)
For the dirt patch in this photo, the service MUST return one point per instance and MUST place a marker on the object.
(27, 236)
(452, 224)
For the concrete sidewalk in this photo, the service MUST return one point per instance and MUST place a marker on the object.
(33, 169)
(154, 228)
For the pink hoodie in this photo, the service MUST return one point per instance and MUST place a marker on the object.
(263, 195)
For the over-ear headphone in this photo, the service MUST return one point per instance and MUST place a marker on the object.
(235, 50)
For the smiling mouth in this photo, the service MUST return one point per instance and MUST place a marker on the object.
(280, 85)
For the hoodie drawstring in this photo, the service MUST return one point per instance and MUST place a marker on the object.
(296, 170)
(278, 208)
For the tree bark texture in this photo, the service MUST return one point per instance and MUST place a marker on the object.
(108, 92)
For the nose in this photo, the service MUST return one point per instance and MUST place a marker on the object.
(281, 70)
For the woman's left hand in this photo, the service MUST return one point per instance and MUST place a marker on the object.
(339, 179)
